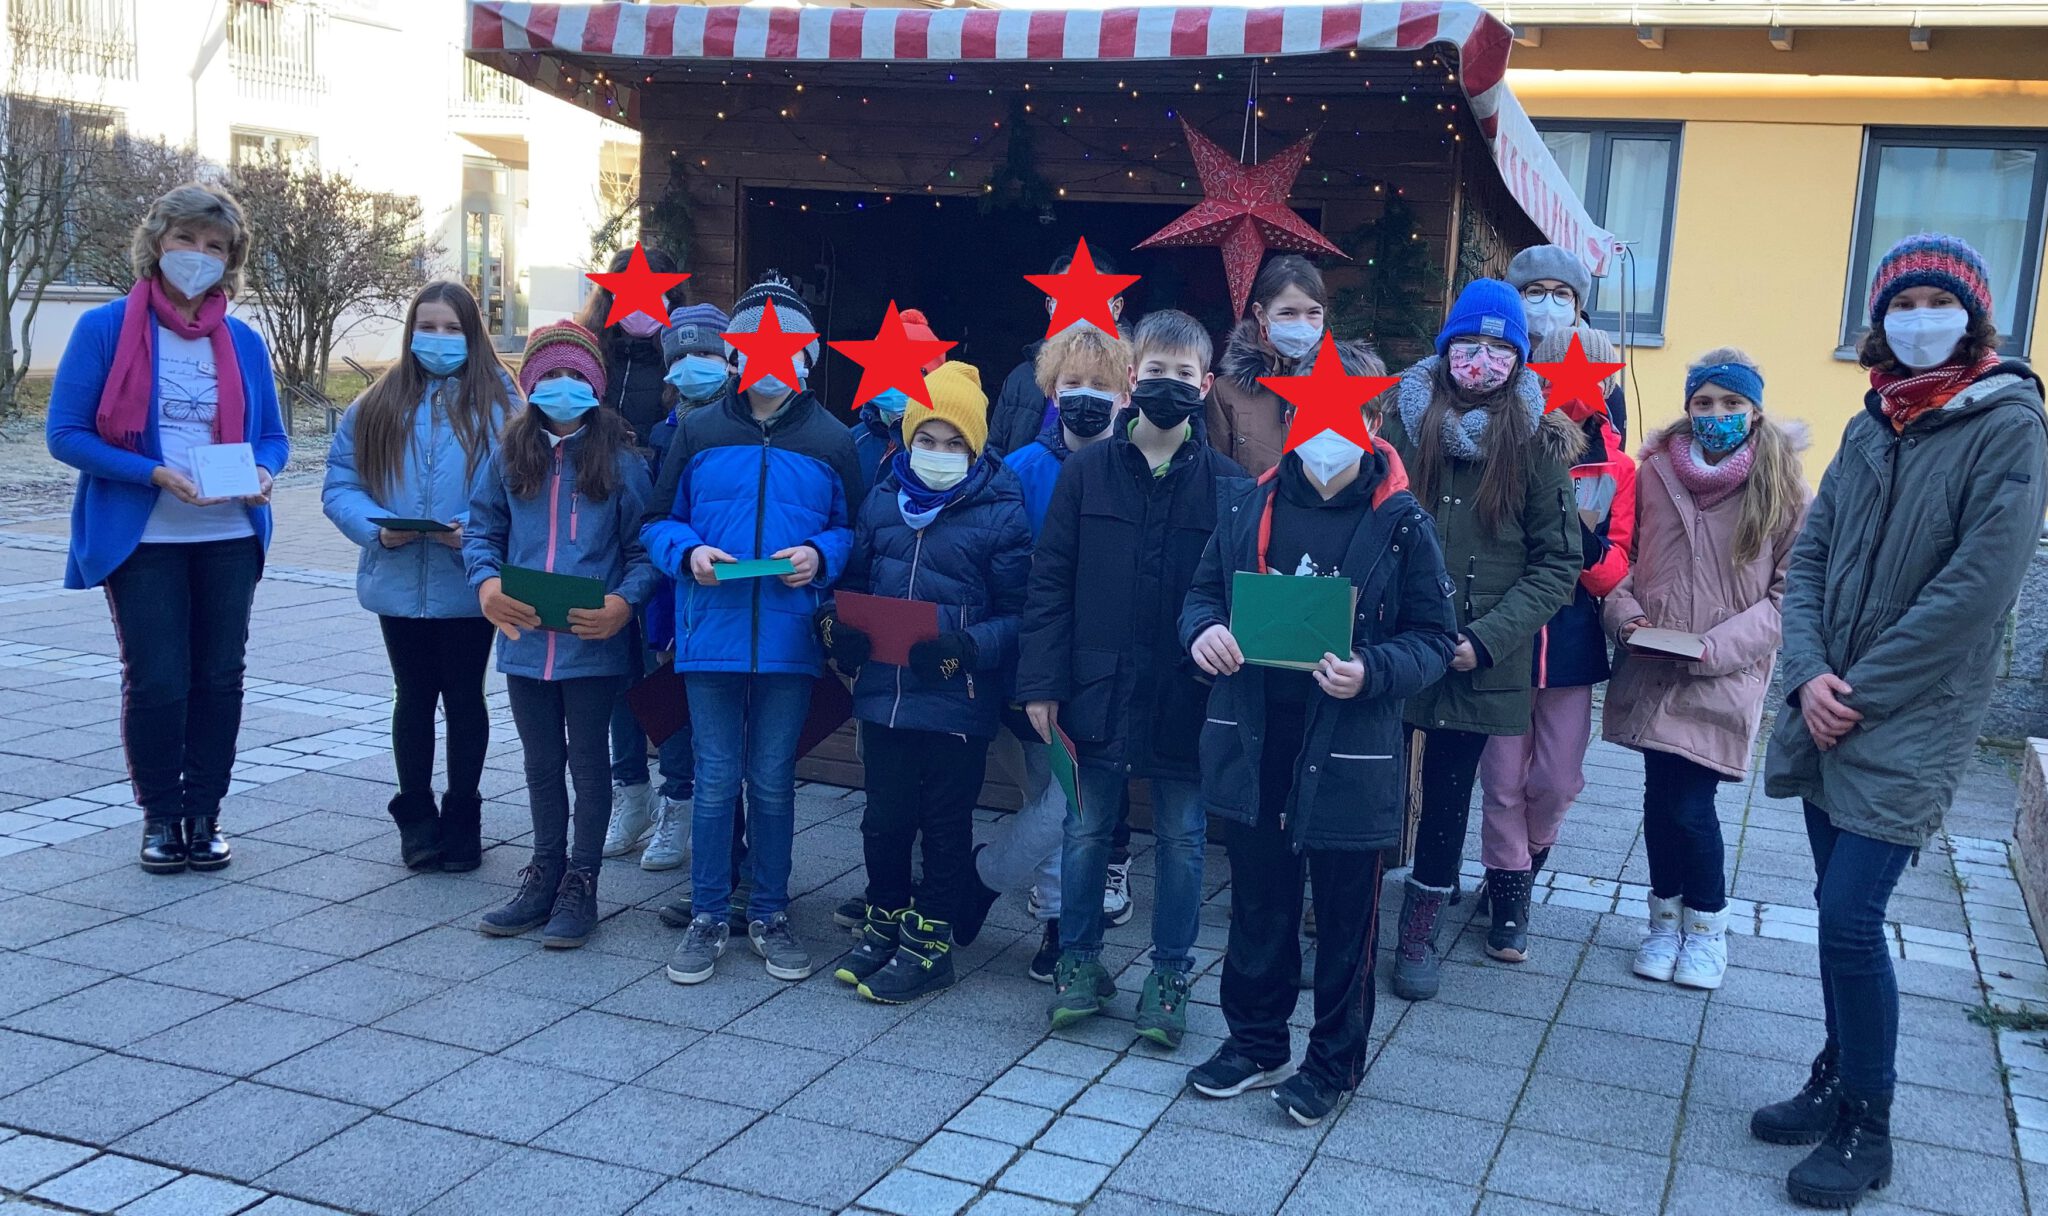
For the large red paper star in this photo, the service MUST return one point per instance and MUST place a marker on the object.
(1081, 293)
(637, 288)
(1244, 212)
(892, 359)
(1328, 398)
(1575, 378)
(770, 350)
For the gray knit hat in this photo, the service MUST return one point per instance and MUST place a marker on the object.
(1549, 262)
(790, 311)
(695, 329)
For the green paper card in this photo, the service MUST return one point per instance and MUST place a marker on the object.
(1291, 621)
(397, 524)
(760, 567)
(1066, 766)
(551, 595)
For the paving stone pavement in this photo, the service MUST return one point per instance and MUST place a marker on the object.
(317, 1029)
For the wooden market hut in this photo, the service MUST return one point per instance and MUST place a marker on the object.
(933, 157)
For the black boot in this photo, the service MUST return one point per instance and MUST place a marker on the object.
(1536, 861)
(419, 831)
(1807, 1115)
(923, 963)
(575, 911)
(529, 909)
(1852, 1161)
(873, 947)
(461, 832)
(1507, 893)
(205, 847)
(163, 846)
(975, 901)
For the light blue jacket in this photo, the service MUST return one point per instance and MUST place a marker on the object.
(425, 578)
(115, 495)
(561, 531)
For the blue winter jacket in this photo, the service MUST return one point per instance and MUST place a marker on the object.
(561, 531)
(425, 578)
(1037, 466)
(753, 487)
(876, 443)
(115, 496)
(974, 562)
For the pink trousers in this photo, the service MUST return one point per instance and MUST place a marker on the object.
(1528, 782)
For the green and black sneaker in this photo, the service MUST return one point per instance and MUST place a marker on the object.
(1163, 1007)
(874, 945)
(1080, 989)
(923, 963)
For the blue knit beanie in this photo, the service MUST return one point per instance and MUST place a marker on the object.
(1487, 308)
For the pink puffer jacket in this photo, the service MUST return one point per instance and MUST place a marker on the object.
(1685, 578)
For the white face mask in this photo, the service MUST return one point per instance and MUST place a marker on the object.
(193, 273)
(1551, 316)
(939, 470)
(1327, 454)
(1924, 338)
(1294, 338)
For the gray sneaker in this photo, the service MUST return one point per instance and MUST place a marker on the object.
(702, 943)
(669, 847)
(776, 942)
(632, 818)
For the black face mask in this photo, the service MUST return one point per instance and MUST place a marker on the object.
(1165, 402)
(1084, 412)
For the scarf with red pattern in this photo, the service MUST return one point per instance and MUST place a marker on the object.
(1905, 397)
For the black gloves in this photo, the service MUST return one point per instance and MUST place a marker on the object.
(847, 647)
(944, 656)
(1592, 547)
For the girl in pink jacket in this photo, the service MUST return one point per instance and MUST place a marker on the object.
(1718, 504)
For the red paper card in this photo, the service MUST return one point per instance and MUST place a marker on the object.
(893, 626)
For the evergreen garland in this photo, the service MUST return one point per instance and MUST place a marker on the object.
(1390, 306)
(1017, 184)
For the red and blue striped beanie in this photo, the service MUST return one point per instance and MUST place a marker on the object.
(1932, 259)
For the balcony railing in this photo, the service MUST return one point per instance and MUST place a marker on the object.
(486, 90)
(93, 38)
(274, 47)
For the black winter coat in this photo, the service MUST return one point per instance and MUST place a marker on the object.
(1100, 634)
(633, 373)
(1349, 780)
(1018, 411)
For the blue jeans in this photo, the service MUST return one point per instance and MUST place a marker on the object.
(629, 749)
(1854, 876)
(1180, 832)
(746, 727)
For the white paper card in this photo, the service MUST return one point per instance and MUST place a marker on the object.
(225, 470)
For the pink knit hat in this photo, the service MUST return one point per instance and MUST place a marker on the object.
(563, 344)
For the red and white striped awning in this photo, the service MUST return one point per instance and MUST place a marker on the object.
(504, 32)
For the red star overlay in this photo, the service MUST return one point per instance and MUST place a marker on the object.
(1081, 293)
(1575, 378)
(1328, 398)
(1244, 212)
(770, 351)
(892, 359)
(637, 288)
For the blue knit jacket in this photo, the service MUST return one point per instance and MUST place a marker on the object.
(115, 496)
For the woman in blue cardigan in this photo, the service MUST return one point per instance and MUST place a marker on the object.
(144, 382)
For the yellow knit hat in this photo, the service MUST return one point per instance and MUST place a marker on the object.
(957, 399)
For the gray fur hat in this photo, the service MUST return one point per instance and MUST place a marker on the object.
(1551, 262)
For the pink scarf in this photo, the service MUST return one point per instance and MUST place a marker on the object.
(1709, 484)
(127, 399)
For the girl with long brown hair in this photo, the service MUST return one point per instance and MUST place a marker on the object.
(398, 479)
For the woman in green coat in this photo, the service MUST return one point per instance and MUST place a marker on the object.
(1494, 469)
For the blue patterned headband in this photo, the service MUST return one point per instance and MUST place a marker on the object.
(1735, 377)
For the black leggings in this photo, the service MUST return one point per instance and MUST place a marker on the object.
(438, 660)
(1450, 761)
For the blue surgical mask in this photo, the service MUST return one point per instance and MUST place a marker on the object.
(564, 398)
(697, 377)
(1720, 434)
(769, 386)
(440, 354)
(891, 403)
(1294, 338)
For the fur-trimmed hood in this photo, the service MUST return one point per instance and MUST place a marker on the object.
(1245, 358)
(1557, 436)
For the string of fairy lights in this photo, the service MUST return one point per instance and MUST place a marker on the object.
(1050, 114)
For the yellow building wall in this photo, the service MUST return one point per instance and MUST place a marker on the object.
(1764, 220)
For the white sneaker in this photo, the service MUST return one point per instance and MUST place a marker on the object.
(1116, 895)
(1657, 957)
(669, 847)
(632, 818)
(1703, 961)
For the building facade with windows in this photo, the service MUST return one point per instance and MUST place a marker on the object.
(1760, 158)
(513, 184)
